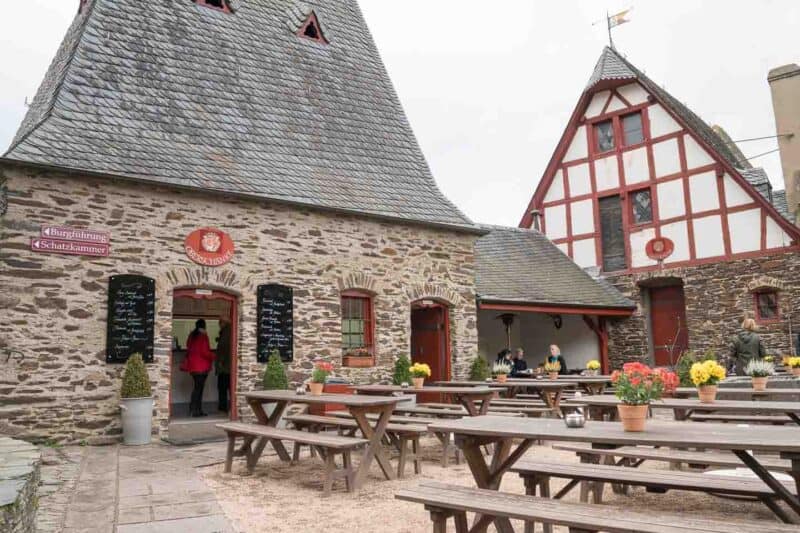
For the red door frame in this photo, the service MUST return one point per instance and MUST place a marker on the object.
(427, 303)
(191, 292)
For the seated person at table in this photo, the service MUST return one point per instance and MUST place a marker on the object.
(504, 356)
(520, 366)
(556, 357)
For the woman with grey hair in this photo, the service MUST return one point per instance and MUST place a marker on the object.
(746, 346)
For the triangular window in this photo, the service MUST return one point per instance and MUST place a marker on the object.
(312, 30)
(222, 5)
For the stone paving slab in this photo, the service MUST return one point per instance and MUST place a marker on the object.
(205, 524)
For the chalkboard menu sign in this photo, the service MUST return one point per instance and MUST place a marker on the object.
(131, 318)
(275, 322)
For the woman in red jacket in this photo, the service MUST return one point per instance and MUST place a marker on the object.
(198, 363)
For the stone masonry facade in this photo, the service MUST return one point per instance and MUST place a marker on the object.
(718, 297)
(54, 306)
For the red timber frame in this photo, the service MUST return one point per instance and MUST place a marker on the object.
(598, 327)
(367, 300)
(210, 294)
(720, 167)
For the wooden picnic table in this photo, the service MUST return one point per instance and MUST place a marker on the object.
(358, 406)
(691, 392)
(590, 384)
(549, 391)
(512, 438)
(466, 396)
(684, 407)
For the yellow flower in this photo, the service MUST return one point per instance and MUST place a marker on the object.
(793, 362)
(707, 372)
(420, 370)
(594, 364)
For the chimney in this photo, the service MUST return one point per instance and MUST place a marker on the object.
(784, 83)
(537, 219)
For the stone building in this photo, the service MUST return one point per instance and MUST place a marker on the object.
(212, 148)
(641, 191)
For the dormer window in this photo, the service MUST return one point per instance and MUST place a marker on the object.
(222, 5)
(312, 30)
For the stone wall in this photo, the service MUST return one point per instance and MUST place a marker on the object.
(718, 297)
(20, 465)
(55, 305)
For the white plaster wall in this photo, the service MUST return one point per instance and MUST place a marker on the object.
(582, 217)
(639, 240)
(670, 199)
(606, 173)
(555, 221)
(577, 148)
(556, 190)
(703, 192)
(734, 193)
(696, 156)
(678, 233)
(661, 122)
(776, 237)
(535, 332)
(580, 182)
(584, 253)
(708, 240)
(633, 93)
(636, 166)
(597, 104)
(666, 158)
(745, 230)
(615, 105)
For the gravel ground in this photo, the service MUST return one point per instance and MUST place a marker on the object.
(283, 498)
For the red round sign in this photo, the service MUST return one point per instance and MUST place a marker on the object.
(660, 248)
(209, 247)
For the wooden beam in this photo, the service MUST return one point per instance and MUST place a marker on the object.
(532, 308)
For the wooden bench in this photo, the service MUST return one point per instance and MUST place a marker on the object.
(537, 475)
(326, 445)
(523, 409)
(775, 420)
(635, 456)
(400, 435)
(446, 501)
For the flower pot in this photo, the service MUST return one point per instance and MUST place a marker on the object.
(633, 417)
(552, 375)
(358, 361)
(796, 370)
(707, 393)
(760, 384)
(502, 378)
(316, 388)
(137, 420)
(418, 382)
(592, 372)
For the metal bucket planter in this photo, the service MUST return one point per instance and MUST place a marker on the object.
(137, 420)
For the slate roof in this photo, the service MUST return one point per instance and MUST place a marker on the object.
(523, 266)
(176, 93)
(613, 66)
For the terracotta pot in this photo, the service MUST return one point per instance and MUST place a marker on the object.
(316, 388)
(502, 378)
(592, 372)
(353, 361)
(760, 383)
(418, 382)
(633, 417)
(552, 375)
(796, 370)
(707, 393)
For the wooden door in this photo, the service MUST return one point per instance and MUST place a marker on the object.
(430, 343)
(668, 324)
(612, 237)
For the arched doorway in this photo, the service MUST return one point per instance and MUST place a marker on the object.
(216, 307)
(430, 337)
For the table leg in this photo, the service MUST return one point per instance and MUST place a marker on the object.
(794, 417)
(272, 421)
(556, 401)
(777, 487)
(468, 401)
(374, 448)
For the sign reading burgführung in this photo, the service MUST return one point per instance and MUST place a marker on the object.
(75, 234)
(71, 241)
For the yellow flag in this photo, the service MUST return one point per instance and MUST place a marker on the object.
(619, 18)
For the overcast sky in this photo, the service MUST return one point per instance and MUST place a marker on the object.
(489, 86)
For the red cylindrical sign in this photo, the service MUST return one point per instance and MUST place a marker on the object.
(660, 248)
(209, 247)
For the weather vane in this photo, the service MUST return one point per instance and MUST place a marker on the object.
(612, 21)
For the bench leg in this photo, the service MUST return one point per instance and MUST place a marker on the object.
(462, 526)
(532, 483)
(330, 468)
(402, 444)
(417, 457)
(439, 518)
(229, 454)
(348, 470)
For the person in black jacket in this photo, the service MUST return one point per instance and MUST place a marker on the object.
(520, 365)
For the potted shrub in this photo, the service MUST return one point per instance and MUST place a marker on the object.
(636, 386)
(274, 374)
(419, 371)
(322, 369)
(358, 358)
(593, 367)
(501, 370)
(552, 369)
(760, 371)
(402, 372)
(136, 402)
(794, 364)
(479, 370)
(706, 376)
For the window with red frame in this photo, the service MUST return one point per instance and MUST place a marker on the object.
(632, 131)
(357, 322)
(767, 306)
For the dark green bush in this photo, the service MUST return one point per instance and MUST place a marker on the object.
(135, 381)
(401, 372)
(275, 374)
(685, 362)
(479, 370)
